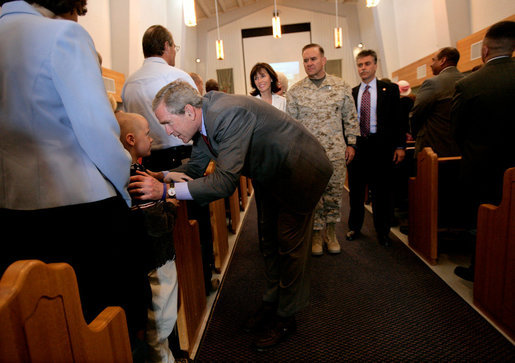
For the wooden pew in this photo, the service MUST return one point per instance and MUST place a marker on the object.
(234, 210)
(250, 188)
(190, 277)
(423, 193)
(41, 319)
(494, 275)
(218, 228)
(244, 196)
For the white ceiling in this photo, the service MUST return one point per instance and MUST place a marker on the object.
(205, 9)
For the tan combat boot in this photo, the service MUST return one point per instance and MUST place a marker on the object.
(333, 246)
(317, 243)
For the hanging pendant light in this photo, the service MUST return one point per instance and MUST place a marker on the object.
(276, 22)
(190, 18)
(337, 29)
(219, 42)
(372, 3)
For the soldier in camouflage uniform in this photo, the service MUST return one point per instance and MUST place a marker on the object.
(324, 105)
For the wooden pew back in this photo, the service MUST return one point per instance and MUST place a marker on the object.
(190, 277)
(494, 276)
(41, 319)
(218, 228)
(423, 194)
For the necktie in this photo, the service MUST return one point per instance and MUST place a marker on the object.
(364, 120)
(206, 140)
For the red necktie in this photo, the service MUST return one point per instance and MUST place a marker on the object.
(364, 120)
(206, 140)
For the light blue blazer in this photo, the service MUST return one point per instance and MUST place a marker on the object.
(59, 139)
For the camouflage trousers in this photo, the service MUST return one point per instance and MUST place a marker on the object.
(328, 207)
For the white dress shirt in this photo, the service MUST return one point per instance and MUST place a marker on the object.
(373, 103)
(140, 89)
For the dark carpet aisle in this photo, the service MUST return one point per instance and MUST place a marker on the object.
(368, 303)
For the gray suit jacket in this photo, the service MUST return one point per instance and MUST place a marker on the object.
(253, 138)
(431, 113)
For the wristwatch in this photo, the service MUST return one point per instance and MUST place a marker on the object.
(171, 192)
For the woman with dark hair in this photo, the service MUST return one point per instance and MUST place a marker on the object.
(64, 9)
(265, 85)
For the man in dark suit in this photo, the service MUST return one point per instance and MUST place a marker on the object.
(431, 113)
(482, 119)
(380, 145)
(289, 171)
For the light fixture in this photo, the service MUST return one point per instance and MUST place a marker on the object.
(337, 29)
(190, 18)
(372, 3)
(219, 42)
(276, 23)
(361, 45)
(197, 60)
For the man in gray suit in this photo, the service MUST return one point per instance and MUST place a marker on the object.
(289, 170)
(482, 119)
(431, 113)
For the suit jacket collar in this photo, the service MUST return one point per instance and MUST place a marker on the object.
(497, 60)
(449, 69)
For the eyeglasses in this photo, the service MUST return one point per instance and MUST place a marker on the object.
(177, 48)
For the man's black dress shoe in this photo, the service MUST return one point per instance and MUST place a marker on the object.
(279, 332)
(352, 235)
(466, 273)
(262, 319)
(384, 240)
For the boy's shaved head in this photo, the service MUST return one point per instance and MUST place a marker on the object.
(129, 123)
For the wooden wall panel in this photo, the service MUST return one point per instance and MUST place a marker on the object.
(409, 73)
(119, 80)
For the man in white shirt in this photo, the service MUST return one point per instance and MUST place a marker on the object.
(167, 152)
(141, 87)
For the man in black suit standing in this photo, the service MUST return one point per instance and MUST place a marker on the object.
(380, 145)
(246, 136)
(482, 119)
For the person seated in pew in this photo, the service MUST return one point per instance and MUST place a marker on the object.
(158, 218)
(430, 117)
(482, 120)
(240, 133)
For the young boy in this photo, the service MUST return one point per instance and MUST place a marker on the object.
(158, 218)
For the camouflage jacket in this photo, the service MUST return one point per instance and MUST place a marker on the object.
(328, 112)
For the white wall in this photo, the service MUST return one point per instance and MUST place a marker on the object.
(97, 23)
(486, 12)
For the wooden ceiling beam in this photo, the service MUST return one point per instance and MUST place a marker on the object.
(203, 7)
